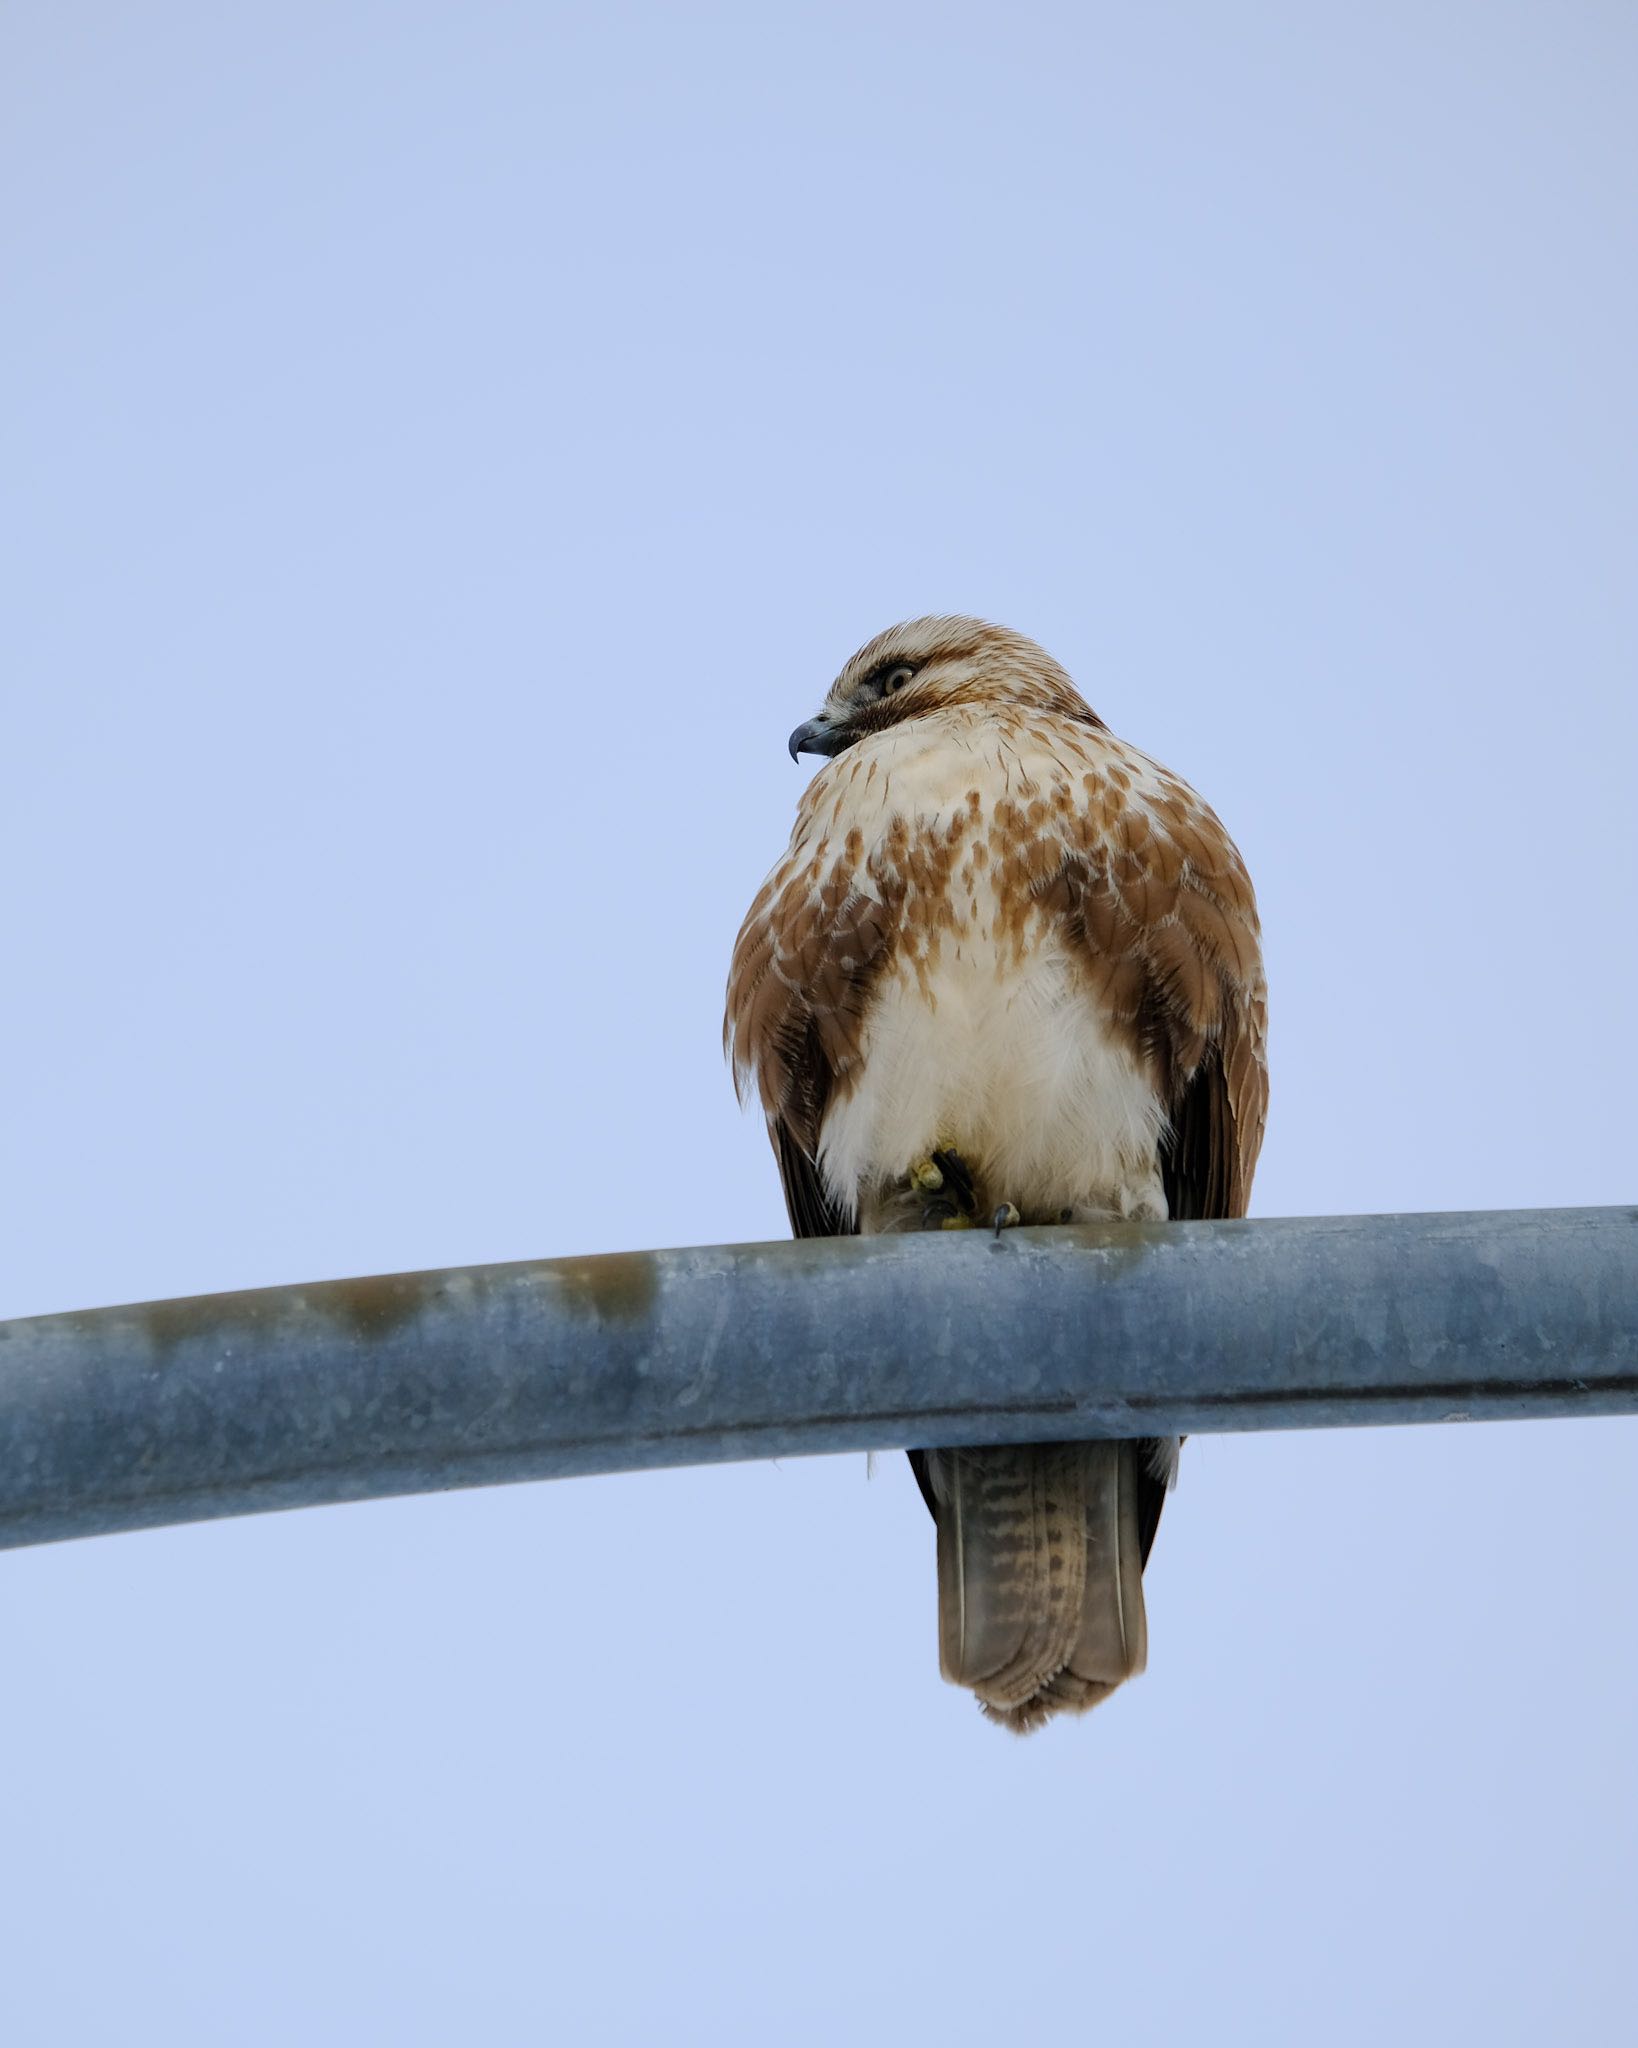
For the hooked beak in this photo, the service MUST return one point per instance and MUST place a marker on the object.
(820, 735)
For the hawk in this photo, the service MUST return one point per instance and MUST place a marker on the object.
(1007, 971)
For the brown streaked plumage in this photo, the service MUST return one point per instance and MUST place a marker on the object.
(1007, 959)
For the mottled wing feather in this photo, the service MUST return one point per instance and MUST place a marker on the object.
(808, 951)
(1158, 901)
(812, 1212)
(807, 955)
(1204, 1159)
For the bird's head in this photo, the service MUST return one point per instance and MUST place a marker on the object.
(929, 665)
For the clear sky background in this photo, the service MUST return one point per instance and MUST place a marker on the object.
(446, 449)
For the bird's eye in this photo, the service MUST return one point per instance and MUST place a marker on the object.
(882, 682)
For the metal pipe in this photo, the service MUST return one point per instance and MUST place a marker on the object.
(124, 1418)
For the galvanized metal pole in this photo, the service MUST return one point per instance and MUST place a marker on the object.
(122, 1418)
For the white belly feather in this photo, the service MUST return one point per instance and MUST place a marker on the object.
(1015, 1068)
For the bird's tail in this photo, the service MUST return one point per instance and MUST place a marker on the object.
(1040, 1573)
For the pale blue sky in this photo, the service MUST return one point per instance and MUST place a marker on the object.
(446, 450)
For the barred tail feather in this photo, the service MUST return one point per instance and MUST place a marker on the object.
(1040, 1574)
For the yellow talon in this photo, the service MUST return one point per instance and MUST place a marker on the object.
(956, 1223)
(926, 1176)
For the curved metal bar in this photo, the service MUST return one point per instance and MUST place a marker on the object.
(124, 1418)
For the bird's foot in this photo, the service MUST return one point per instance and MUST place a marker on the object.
(1006, 1217)
(944, 1182)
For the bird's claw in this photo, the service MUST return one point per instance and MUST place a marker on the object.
(1005, 1217)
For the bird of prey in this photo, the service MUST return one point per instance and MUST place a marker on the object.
(1007, 971)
